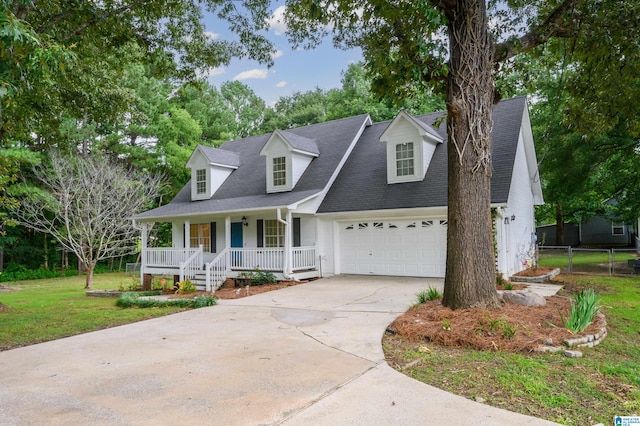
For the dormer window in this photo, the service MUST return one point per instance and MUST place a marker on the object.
(404, 159)
(279, 171)
(210, 167)
(410, 147)
(288, 155)
(201, 181)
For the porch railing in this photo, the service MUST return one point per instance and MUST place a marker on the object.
(303, 258)
(167, 257)
(216, 271)
(190, 267)
(265, 259)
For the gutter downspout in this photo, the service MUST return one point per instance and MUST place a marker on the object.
(286, 268)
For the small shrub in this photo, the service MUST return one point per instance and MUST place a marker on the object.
(500, 281)
(128, 300)
(508, 286)
(584, 306)
(186, 287)
(258, 277)
(509, 330)
(428, 295)
(446, 324)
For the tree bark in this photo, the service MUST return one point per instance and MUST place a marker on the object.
(89, 280)
(470, 272)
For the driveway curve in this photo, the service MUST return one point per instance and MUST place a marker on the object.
(304, 355)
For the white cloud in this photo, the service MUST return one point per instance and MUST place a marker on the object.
(277, 54)
(254, 73)
(276, 21)
(212, 36)
(211, 72)
(281, 84)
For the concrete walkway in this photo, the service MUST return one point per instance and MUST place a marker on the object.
(305, 355)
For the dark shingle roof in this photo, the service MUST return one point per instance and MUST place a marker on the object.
(362, 182)
(221, 156)
(246, 187)
(300, 143)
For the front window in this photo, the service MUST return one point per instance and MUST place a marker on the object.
(279, 171)
(200, 233)
(617, 229)
(201, 181)
(273, 233)
(404, 159)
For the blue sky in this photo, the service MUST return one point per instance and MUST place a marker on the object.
(293, 71)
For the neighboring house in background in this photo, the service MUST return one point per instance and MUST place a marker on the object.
(597, 231)
(342, 197)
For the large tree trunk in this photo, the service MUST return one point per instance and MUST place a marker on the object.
(470, 273)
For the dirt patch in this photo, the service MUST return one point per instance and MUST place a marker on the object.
(534, 272)
(512, 286)
(238, 293)
(3, 307)
(512, 328)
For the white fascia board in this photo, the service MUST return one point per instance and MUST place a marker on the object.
(407, 213)
(298, 151)
(207, 214)
(224, 165)
(423, 131)
(532, 161)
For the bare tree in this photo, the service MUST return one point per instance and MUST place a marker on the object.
(87, 205)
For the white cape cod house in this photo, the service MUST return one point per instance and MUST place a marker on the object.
(343, 197)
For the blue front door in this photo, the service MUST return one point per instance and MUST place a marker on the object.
(236, 241)
(236, 234)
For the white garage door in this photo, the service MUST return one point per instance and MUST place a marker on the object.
(414, 248)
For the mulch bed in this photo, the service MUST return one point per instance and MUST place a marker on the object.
(238, 293)
(485, 329)
(534, 272)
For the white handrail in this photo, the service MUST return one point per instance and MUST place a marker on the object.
(303, 258)
(191, 265)
(167, 256)
(216, 271)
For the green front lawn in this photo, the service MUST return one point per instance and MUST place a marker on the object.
(49, 309)
(602, 384)
(580, 258)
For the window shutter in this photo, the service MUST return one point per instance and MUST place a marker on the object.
(212, 235)
(260, 237)
(184, 235)
(296, 232)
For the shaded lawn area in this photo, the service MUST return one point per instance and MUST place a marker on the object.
(573, 391)
(560, 259)
(48, 309)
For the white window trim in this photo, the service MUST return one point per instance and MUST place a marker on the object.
(199, 236)
(399, 149)
(269, 225)
(617, 225)
(201, 181)
(282, 162)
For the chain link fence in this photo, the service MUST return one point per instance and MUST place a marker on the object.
(590, 261)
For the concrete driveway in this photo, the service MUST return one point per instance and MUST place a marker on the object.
(305, 355)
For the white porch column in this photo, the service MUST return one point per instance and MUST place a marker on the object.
(143, 250)
(227, 240)
(288, 245)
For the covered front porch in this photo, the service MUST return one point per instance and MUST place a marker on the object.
(209, 249)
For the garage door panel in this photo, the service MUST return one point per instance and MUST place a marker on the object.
(396, 247)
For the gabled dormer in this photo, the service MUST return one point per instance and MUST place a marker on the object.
(410, 146)
(288, 156)
(210, 167)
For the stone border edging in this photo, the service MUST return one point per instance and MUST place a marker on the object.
(588, 341)
(540, 279)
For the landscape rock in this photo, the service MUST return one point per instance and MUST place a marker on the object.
(573, 354)
(524, 298)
